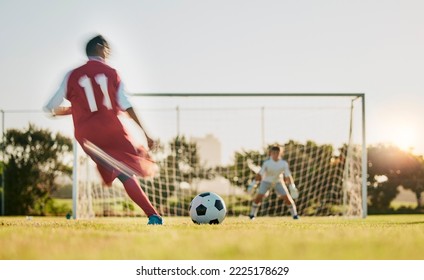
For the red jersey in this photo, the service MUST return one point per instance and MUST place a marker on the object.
(92, 90)
(97, 96)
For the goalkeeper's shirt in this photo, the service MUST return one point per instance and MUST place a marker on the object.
(272, 170)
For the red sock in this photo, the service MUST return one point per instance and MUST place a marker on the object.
(136, 193)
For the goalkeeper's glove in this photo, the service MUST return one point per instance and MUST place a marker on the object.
(294, 192)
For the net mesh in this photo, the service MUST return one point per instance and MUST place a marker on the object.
(217, 143)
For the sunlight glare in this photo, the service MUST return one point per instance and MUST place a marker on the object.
(405, 137)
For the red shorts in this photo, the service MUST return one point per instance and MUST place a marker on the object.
(115, 142)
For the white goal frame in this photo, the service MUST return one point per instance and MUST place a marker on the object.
(354, 96)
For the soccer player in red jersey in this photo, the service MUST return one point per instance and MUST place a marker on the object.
(97, 96)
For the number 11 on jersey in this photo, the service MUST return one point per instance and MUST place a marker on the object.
(101, 80)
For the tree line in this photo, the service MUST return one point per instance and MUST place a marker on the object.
(34, 159)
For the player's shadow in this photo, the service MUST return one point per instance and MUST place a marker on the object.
(414, 223)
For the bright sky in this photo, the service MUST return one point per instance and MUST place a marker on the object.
(374, 47)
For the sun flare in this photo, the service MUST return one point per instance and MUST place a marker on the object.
(405, 137)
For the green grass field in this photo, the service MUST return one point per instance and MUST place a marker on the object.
(396, 237)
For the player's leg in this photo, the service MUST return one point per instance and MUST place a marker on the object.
(256, 203)
(136, 193)
(127, 161)
(284, 194)
(292, 206)
(108, 166)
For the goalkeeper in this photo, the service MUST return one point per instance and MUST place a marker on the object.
(275, 171)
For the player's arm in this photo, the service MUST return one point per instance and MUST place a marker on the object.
(133, 115)
(126, 106)
(53, 107)
(258, 177)
(288, 179)
(261, 173)
(62, 111)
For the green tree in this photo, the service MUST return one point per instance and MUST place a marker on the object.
(34, 158)
(388, 168)
(414, 181)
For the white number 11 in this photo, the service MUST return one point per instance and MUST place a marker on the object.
(101, 80)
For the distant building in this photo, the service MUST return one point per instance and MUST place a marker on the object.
(209, 149)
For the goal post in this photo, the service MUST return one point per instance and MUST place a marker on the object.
(209, 142)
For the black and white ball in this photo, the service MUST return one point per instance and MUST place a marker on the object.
(207, 208)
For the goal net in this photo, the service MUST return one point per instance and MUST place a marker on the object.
(217, 142)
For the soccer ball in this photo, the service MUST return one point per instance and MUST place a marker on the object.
(207, 208)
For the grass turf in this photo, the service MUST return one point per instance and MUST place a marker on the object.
(394, 237)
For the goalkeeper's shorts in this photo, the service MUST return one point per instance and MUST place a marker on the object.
(279, 188)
